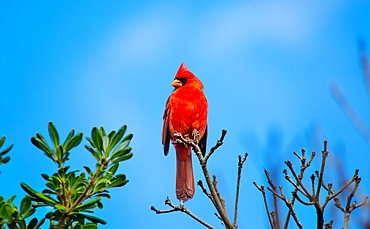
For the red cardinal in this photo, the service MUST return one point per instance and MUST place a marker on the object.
(185, 113)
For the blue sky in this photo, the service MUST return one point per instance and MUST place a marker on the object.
(267, 67)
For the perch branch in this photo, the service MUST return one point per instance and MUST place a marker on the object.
(181, 208)
(217, 201)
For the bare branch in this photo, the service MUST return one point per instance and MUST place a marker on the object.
(180, 208)
(329, 225)
(273, 186)
(325, 154)
(217, 200)
(218, 144)
(303, 189)
(349, 207)
(200, 183)
(240, 167)
(288, 204)
(304, 166)
(353, 179)
(289, 179)
(295, 195)
(262, 190)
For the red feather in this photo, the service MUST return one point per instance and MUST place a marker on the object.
(186, 112)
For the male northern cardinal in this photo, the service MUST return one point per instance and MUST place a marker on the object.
(185, 113)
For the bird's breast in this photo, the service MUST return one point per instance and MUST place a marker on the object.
(188, 112)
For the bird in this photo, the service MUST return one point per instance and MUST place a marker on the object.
(186, 112)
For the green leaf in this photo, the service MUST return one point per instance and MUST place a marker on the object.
(106, 195)
(122, 158)
(118, 181)
(90, 226)
(101, 186)
(102, 131)
(48, 191)
(97, 154)
(2, 140)
(93, 218)
(39, 143)
(45, 176)
(38, 196)
(90, 141)
(6, 211)
(88, 204)
(6, 150)
(112, 170)
(97, 139)
(4, 160)
(117, 137)
(60, 207)
(71, 178)
(40, 223)
(100, 205)
(68, 138)
(120, 153)
(105, 140)
(29, 213)
(59, 155)
(88, 170)
(75, 141)
(53, 133)
(25, 205)
(121, 147)
(128, 137)
(21, 223)
(10, 200)
(111, 134)
(32, 223)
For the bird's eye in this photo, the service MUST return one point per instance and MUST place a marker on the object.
(183, 80)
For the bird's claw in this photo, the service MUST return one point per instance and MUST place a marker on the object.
(196, 136)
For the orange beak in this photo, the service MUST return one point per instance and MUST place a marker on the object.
(176, 83)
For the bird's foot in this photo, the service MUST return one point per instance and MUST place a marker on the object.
(196, 136)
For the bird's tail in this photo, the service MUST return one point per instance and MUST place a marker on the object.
(184, 173)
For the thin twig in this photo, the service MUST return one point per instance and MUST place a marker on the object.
(299, 185)
(288, 204)
(200, 184)
(353, 179)
(262, 190)
(181, 208)
(240, 167)
(276, 208)
(329, 225)
(350, 207)
(218, 144)
(304, 166)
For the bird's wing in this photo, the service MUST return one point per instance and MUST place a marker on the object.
(203, 142)
(166, 129)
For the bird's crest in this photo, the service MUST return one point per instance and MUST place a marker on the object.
(184, 72)
(183, 67)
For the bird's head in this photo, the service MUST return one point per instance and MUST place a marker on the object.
(185, 77)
